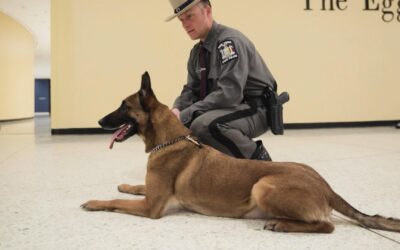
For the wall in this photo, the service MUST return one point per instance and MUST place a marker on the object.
(337, 65)
(16, 70)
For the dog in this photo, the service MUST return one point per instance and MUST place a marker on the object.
(181, 171)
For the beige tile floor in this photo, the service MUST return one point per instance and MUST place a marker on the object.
(44, 179)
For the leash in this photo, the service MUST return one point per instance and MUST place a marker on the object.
(178, 139)
(366, 228)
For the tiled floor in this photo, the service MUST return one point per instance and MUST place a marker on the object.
(44, 179)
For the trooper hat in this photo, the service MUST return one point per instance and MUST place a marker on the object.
(180, 6)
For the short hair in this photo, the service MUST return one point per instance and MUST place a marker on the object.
(206, 2)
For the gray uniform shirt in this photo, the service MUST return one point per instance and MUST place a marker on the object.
(235, 70)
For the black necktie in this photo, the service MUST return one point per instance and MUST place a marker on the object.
(203, 72)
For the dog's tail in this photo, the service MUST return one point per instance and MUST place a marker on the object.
(375, 222)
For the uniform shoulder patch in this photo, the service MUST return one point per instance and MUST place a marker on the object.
(227, 51)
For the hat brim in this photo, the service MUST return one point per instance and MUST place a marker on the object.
(182, 11)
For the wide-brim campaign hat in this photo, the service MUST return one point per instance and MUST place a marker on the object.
(180, 6)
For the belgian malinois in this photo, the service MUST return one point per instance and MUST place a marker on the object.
(292, 197)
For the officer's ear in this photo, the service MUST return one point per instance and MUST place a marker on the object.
(208, 9)
(206, 5)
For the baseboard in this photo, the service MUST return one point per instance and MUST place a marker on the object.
(17, 119)
(341, 124)
(93, 131)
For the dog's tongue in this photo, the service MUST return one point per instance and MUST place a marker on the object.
(117, 135)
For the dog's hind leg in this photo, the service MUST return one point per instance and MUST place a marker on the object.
(291, 205)
(283, 225)
(132, 189)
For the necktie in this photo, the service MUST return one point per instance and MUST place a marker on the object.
(203, 72)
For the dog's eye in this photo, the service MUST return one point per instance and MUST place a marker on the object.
(123, 107)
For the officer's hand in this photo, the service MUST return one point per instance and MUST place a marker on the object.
(176, 112)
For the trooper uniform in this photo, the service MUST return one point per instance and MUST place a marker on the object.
(232, 111)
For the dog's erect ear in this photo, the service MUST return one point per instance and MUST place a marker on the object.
(146, 83)
(146, 94)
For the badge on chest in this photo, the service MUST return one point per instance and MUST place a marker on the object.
(227, 51)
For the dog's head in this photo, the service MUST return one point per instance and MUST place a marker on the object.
(133, 114)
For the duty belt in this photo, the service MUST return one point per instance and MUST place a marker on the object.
(255, 101)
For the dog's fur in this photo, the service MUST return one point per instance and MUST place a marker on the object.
(291, 196)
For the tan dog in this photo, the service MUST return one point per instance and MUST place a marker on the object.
(180, 172)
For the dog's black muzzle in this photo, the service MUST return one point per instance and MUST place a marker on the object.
(117, 120)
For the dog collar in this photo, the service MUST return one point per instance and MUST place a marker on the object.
(178, 139)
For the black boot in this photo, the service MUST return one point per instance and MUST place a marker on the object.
(398, 125)
(261, 153)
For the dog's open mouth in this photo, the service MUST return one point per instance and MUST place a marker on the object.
(126, 131)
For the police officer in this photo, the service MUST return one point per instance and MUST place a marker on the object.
(221, 102)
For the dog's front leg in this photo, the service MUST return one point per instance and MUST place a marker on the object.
(138, 207)
(158, 192)
(145, 208)
(129, 189)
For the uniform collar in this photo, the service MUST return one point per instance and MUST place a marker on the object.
(211, 37)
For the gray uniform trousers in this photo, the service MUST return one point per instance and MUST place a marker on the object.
(231, 130)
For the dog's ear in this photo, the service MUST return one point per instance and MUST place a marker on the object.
(146, 82)
(146, 94)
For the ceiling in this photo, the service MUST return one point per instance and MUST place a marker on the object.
(35, 16)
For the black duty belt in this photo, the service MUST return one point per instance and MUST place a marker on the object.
(255, 101)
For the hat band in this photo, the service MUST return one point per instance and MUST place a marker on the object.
(184, 5)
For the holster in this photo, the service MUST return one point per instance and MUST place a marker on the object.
(274, 103)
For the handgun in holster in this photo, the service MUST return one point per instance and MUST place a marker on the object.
(274, 104)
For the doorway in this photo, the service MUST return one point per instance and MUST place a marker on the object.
(42, 96)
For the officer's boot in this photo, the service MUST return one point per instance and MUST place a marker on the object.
(261, 153)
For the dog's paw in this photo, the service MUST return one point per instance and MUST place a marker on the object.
(93, 205)
(124, 188)
(275, 225)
